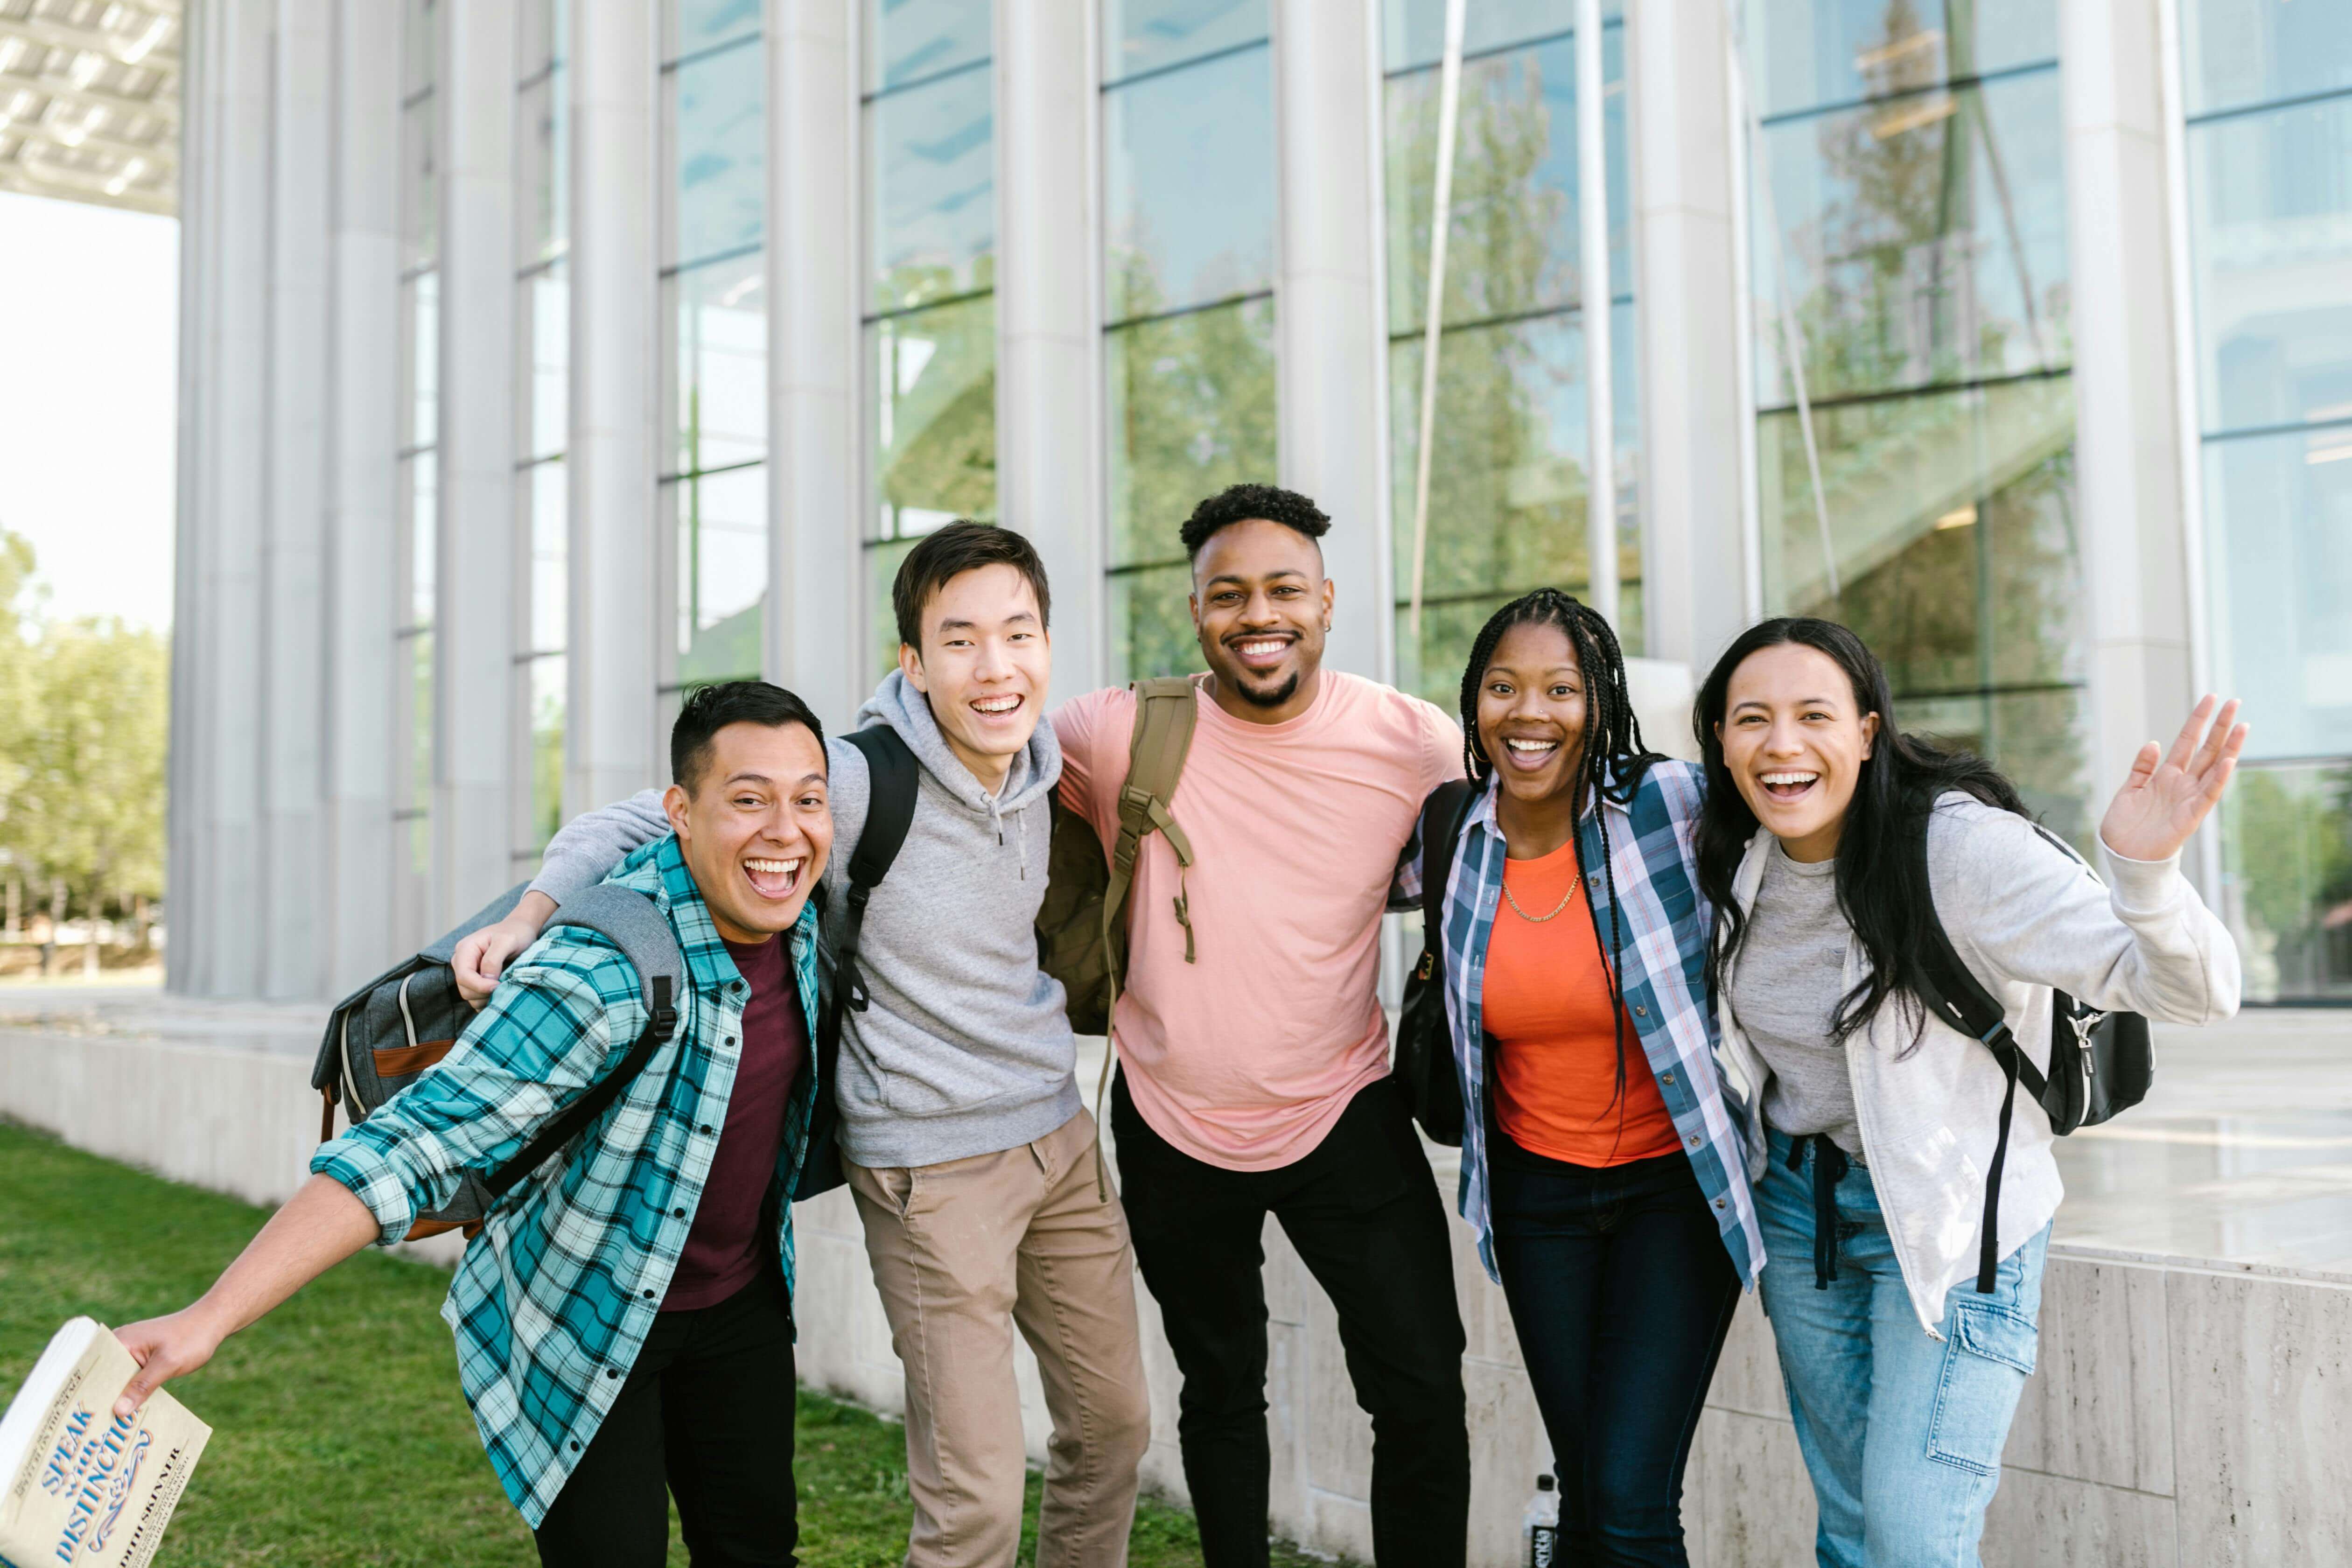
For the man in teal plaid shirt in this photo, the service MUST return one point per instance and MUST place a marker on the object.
(623, 1323)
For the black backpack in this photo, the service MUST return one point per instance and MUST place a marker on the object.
(1424, 1043)
(388, 1034)
(2100, 1064)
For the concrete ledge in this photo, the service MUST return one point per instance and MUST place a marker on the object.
(2186, 1411)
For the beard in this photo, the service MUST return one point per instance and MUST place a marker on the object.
(1269, 696)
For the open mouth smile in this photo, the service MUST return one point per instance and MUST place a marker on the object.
(1790, 784)
(1529, 753)
(997, 706)
(775, 879)
(1260, 652)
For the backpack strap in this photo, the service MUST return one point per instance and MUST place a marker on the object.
(1441, 834)
(1165, 708)
(894, 778)
(1946, 988)
(631, 921)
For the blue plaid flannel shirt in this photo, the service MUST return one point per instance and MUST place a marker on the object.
(1665, 928)
(552, 1300)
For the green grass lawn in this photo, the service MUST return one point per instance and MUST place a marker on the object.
(340, 1436)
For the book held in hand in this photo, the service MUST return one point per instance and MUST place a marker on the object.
(86, 1489)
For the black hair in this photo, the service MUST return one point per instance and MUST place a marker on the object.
(948, 552)
(1243, 504)
(1881, 878)
(710, 708)
(1610, 763)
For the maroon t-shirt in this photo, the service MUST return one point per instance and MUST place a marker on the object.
(724, 1247)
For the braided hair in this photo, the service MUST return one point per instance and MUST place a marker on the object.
(1611, 766)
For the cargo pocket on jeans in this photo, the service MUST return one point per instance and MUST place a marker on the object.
(1988, 1356)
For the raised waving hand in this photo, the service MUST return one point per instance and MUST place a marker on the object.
(2170, 792)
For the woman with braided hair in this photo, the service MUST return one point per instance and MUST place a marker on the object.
(1601, 1161)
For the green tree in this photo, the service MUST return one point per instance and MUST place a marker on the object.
(85, 815)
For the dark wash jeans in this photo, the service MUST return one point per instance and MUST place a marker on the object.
(706, 1416)
(1363, 1211)
(1622, 1294)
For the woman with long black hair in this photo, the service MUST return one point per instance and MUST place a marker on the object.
(1829, 844)
(1602, 1166)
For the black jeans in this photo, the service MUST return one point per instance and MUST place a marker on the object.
(1362, 1209)
(1621, 1293)
(706, 1417)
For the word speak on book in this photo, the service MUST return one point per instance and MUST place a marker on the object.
(87, 1487)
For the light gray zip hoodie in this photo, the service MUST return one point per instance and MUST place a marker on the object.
(966, 1047)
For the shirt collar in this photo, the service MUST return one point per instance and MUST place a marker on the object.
(1482, 808)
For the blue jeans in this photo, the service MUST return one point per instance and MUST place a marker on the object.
(1621, 1293)
(1901, 1432)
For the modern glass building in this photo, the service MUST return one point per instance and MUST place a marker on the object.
(544, 358)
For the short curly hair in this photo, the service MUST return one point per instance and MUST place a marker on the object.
(1242, 503)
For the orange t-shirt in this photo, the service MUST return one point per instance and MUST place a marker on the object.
(1546, 1005)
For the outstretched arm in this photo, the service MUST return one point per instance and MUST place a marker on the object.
(323, 1225)
(581, 853)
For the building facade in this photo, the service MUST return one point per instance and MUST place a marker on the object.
(542, 360)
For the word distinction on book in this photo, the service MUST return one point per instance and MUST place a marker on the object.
(88, 1488)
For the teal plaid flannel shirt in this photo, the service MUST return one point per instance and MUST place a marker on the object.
(553, 1300)
(1667, 926)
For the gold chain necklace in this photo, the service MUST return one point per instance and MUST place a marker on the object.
(1538, 920)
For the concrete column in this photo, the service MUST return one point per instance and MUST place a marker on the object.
(611, 748)
(474, 616)
(813, 286)
(213, 923)
(1686, 280)
(362, 556)
(2127, 419)
(183, 866)
(1048, 473)
(1333, 364)
(293, 548)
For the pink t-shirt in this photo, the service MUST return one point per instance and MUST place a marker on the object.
(1244, 1057)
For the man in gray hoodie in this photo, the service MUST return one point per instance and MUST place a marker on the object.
(966, 1145)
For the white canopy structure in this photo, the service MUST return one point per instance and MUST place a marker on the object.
(90, 101)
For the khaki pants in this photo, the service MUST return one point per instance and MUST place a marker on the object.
(962, 1253)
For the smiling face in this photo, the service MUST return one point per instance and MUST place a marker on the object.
(1531, 712)
(755, 826)
(984, 665)
(1794, 740)
(1262, 604)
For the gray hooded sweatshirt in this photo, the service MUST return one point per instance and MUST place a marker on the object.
(966, 1048)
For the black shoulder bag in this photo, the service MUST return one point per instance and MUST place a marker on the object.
(1424, 1045)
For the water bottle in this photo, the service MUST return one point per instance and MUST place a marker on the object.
(1540, 1531)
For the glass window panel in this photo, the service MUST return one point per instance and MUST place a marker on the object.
(2279, 510)
(2238, 52)
(1923, 242)
(550, 553)
(722, 574)
(423, 513)
(720, 320)
(1191, 179)
(1412, 31)
(693, 24)
(546, 696)
(1151, 628)
(1192, 411)
(934, 198)
(420, 738)
(548, 301)
(1514, 246)
(420, 47)
(1809, 53)
(883, 559)
(933, 431)
(1897, 474)
(543, 153)
(911, 40)
(1154, 35)
(718, 113)
(420, 195)
(2286, 879)
(424, 359)
(2271, 217)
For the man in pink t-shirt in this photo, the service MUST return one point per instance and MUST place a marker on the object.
(1254, 1074)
